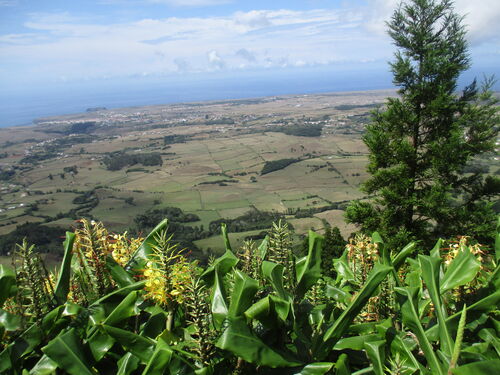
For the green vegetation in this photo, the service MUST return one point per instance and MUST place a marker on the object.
(300, 130)
(276, 165)
(46, 239)
(420, 145)
(252, 220)
(118, 160)
(175, 138)
(348, 107)
(140, 306)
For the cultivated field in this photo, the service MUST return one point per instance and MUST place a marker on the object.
(214, 172)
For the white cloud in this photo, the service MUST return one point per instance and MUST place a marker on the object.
(215, 60)
(481, 17)
(59, 44)
(246, 55)
(253, 19)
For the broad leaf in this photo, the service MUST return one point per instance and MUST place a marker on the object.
(142, 254)
(243, 291)
(159, 360)
(127, 364)
(399, 259)
(478, 368)
(310, 271)
(341, 366)
(376, 352)
(141, 347)
(45, 366)
(273, 273)
(125, 309)
(9, 322)
(430, 274)
(118, 273)
(7, 283)
(66, 351)
(355, 342)
(218, 301)
(62, 286)
(408, 302)
(239, 340)
(318, 368)
(340, 326)
(461, 270)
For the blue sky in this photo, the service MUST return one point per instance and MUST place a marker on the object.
(60, 42)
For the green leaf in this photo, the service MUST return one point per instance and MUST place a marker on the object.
(142, 254)
(497, 241)
(309, 272)
(355, 342)
(399, 259)
(341, 265)
(218, 301)
(239, 340)
(486, 304)
(62, 285)
(341, 366)
(119, 293)
(263, 247)
(478, 368)
(436, 250)
(118, 273)
(273, 273)
(125, 309)
(25, 343)
(408, 301)
(318, 368)
(398, 345)
(127, 364)
(376, 352)
(225, 237)
(269, 309)
(222, 265)
(159, 360)
(141, 347)
(100, 342)
(461, 270)
(8, 321)
(7, 283)
(430, 274)
(243, 291)
(340, 326)
(45, 366)
(66, 351)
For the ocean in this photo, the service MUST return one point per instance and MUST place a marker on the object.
(22, 105)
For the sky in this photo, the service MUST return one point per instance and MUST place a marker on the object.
(62, 43)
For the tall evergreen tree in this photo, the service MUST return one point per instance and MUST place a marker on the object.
(422, 142)
(333, 247)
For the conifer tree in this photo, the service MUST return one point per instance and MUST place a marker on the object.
(425, 139)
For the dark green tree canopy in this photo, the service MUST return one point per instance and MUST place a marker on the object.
(425, 138)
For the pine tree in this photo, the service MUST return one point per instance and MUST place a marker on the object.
(422, 143)
(333, 247)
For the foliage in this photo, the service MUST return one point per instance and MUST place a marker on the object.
(118, 160)
(162, 313)
(300, 130)
(276, 165)
(252, 220)
(425, 138)
(175, 138)
(46, 239)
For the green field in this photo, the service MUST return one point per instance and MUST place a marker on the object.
(214, 174)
